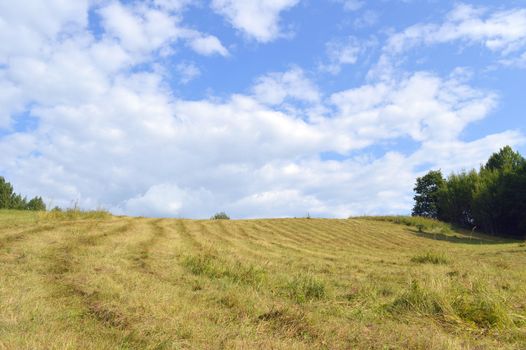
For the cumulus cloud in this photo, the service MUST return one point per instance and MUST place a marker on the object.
(141, 29)
(502, 32)
(351, 5)
(207, 45)
(257, 19)
(112, 133)
(342, 52)
(188, 71)
(422, 106)
(275, 88)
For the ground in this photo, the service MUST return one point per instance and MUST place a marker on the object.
(104, 282)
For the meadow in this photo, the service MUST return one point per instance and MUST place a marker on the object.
(95, 281)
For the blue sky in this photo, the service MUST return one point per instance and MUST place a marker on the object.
(258, 108)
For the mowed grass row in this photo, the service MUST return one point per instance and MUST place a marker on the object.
(138, 283)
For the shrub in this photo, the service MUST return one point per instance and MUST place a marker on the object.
(220, 216)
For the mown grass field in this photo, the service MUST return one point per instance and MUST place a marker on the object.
(139, 283)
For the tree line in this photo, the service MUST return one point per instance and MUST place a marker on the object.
(492, 199)
(11, 200)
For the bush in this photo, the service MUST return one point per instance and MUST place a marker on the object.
(220, 216)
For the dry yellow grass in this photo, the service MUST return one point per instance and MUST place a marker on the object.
(102, 282)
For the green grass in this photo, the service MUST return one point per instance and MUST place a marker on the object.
(94, 281)
(431, 258)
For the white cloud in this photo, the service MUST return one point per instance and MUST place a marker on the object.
(422, 106)
(257, 19)
(342, 52)
(367, 19)
(187, 71)
(173, 5)
(27, 27)
(351, 5)
(502, 32)
(208, 45)
(169, 200)
(139, 29)
(111, 134)
(275, 88)
(142, 29)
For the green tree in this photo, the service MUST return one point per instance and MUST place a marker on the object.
(456, 198)
(11, 200)
(36, 204)
(220, 216)
(492, 199)
(6, 194)
(506, 160)
(427, 194)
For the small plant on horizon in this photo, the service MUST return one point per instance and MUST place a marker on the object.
(220, 216)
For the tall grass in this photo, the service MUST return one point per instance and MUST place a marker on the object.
(211, 265)
(73, 214)
(431, 258)
(142, 283)
(420, 223)
(476, 305)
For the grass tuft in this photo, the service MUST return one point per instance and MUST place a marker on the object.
(74, 214)
(212, 266)
(303, 288)
(475, 306)
(431, 258)
(420, 223)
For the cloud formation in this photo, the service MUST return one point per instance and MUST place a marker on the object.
(104, 126)
(257, 19)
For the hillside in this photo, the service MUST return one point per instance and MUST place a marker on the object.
(140, 283)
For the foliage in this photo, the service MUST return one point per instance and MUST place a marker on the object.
(427, 191)
(220, 216)
(11, 200)
(492, 199)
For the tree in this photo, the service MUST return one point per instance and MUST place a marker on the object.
(11, 200)
(6, 194)
(456, 198)
(36, 204)
(427, 196)
(506, 160)
(220, 216)
(492, 199)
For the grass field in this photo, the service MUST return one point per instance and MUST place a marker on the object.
(102, 282)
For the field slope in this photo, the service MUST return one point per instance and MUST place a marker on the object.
(140, 283)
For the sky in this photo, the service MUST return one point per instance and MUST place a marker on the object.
(259, 108)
